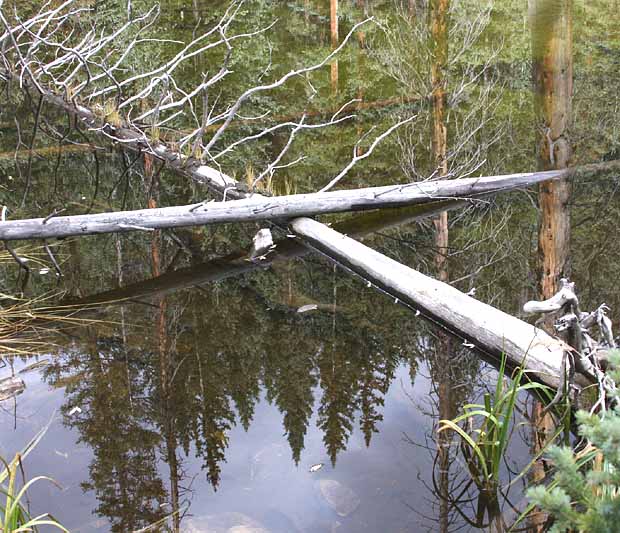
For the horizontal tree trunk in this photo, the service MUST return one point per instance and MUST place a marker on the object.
(239, 263)
(258, 207)
(490, 329)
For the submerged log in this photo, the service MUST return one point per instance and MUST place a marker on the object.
(257, 207)
(490, 329)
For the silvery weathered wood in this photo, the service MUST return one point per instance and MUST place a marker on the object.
(488, 328)
(237, 264)
(262, 243)
(258, 207)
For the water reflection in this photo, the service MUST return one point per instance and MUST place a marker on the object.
(203, 393)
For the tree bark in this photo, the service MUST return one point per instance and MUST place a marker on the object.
(258, 207)
(550, 23)
(551, 26)
(333, 17)
(439, 134)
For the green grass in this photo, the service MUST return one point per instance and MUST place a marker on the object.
(14, 514)
(486, 440)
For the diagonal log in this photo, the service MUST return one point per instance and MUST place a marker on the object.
(257, 207)
(490, 329)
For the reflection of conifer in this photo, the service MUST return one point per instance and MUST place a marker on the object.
(338, 403)
(293, 385)
(244, 370)
(374, 380)
(289, 375)
(228, 371)
(114, 423)
(215, 415)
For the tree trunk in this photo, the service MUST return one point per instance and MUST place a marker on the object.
(333, 17)
(551, 27)
(550, 23)
(258, 207)
(439, 44)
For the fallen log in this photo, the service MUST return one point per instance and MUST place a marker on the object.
(239, 263)
(490, 329)
(257, 207)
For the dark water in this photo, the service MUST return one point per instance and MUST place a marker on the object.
(205, 393)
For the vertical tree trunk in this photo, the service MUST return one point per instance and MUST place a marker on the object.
(439, 44)
(438, 21)
(551, 27)
(334, 32)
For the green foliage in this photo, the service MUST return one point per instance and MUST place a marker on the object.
(485, 445)
(14, 515)
(584, 493)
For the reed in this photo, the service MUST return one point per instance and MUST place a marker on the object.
(486, 439)
(15, 516)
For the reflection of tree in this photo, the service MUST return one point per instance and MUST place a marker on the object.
(356, 366)
(290, 382)
(337, 408)
(115, 425)
(374, 381)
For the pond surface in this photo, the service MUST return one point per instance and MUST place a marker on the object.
(214, 394)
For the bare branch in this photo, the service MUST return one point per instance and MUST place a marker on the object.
(356, 158)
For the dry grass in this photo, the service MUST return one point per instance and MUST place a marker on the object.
(27, 325)
(33, 253)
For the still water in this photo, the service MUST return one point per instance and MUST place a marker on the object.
(192, 390)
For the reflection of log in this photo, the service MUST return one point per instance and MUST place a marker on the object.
(238, 263)
(281, 207)
(11, 387)
(490, 329)
(47, 151)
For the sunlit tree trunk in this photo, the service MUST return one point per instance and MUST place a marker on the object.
(438, 22)
(333, 17)
(551, 29)
(438, 14)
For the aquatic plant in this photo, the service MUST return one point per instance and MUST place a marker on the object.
(484, 445)
(584, 495)
(26, 324)
(14, 514)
